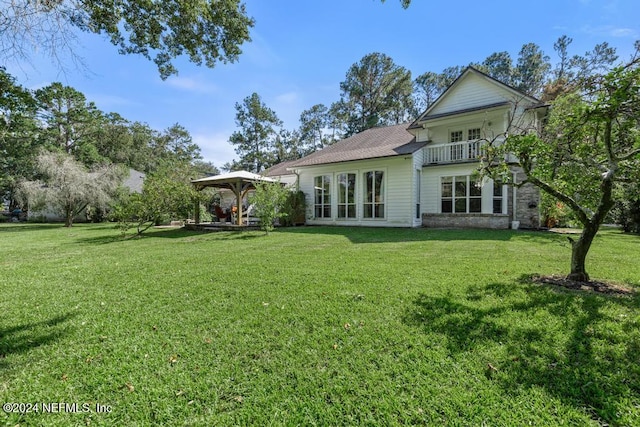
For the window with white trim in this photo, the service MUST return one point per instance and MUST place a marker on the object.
(498, 196)
(474, 134)
(460, 194)
(373, 206)
(346, 195)
(455, 136)
(322, 196)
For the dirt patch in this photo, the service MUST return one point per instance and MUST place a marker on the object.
(596, 286)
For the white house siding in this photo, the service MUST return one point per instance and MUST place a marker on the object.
(491, 123)
(473, 91)
(290, 181)
(400, 194)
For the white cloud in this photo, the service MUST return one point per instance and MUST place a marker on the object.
(288, 106)
(624, 32)
(106, 102)
(287, 98)
(611, 31)
(191, 84)
(215, 147)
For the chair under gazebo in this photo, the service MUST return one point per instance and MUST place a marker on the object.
(239, 182)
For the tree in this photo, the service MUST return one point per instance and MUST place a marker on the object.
(268, 200)
(427, 88)
(531, 70)
(254, 141)
(626, 211)
(174, 145)
(570, 71)
(375, 92)
(202, 168)
(287, 146)
(499, 66)
(69, 122)
(68, 186)
(18, 130)
(589, 146)
(209, 31)
(167, 193)
(314, 125)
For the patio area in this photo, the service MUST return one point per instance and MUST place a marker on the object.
(240, 183)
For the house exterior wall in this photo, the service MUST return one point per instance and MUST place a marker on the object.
(432, 215)
(290, 180)
(525, 210)
(479, 110)
(473, 91)
(399, 191)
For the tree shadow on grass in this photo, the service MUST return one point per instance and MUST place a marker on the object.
(591, 361)
(23, 227)
(22, 338)
(170, 233)
(391, 235)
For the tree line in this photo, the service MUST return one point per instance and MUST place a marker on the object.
(59, 120)
(378, 92)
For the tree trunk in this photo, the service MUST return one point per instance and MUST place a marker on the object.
(68, 217)
(579, 250)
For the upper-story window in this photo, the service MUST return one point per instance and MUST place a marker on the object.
(474, 134)
(456, 136)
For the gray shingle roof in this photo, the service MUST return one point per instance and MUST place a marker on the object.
(372, 143)
(280, 168)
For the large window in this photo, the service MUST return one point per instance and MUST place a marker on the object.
(498, 195)
(373, 194)
(460, 194)
(322, 199)
(346, 195)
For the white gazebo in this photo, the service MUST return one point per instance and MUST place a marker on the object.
(239, 182)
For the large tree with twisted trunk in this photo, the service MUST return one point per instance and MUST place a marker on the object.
(588, 147)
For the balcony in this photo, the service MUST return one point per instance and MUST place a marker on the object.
(455, 152)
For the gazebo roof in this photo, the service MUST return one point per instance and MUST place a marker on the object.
(230, 180)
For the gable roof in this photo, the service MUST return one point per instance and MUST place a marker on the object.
(430, 114)
(372, 143)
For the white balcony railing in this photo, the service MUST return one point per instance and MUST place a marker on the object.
(455, 152)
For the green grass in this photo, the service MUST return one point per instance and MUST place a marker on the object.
(315, 326)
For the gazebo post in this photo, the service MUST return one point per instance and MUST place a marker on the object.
(237, 189)
(196, 211)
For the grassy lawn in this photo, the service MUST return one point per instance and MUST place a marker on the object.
(314, 326)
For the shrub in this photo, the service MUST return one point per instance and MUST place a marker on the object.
(295, 209)
(269, 200)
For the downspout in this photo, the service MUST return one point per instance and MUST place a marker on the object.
(513, 200)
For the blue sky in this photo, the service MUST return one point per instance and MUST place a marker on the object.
(301, 51)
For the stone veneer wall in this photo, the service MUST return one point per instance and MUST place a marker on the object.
(527, 203)
(476, 220)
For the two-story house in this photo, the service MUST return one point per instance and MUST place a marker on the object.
(422, 173)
